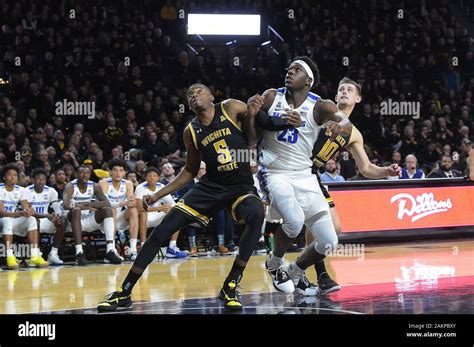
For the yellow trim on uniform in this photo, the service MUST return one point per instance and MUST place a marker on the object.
(228, 117)
(354, 130)
(192, 212)
(318, 163)
(237, 202)
(329, 200)
(193, 135)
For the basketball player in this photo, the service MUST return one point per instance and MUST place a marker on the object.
(124, 208)
(87, 215)
(211, 136)
(348, 95)
(286, 173)
(21, 223)
(42, 198)
(157, 211)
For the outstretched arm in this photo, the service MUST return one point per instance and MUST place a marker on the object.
(325, 113)
(366, 168)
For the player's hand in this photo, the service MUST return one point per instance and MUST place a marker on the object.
(292, 117)
(166, 208)
(132, 203)
(27, 212)
(55, 219)
(149, 200)
(394, 170)
(254, 104)
(333, 129)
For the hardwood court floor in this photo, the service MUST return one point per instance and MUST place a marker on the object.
(424, 277)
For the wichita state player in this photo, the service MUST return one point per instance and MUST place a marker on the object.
(211, 136)
(348, 95)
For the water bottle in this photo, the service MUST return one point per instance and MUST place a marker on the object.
(122, 238)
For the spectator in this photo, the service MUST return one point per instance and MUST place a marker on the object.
(330, 175)
(60, 182)
(445, 169)
(167, 172)
(410, 170)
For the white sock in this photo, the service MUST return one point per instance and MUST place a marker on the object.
(172, 244)
(109, 229)
(9, 252)
(262, 239)
(274, 262)
(133, 245)
(79, 249)
(295, 271)
(34, 252)
(54, 251)
(110, 246)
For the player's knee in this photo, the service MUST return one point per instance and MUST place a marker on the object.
(32, 224)
(133, 211)
(292, 228)
(327, 244)
(252, 211)
(76, 212)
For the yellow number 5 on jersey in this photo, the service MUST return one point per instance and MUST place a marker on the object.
(223, 153)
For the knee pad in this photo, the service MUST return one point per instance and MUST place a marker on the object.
(292, 228)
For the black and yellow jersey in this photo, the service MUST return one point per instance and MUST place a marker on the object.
(221, 143)
(324, 149)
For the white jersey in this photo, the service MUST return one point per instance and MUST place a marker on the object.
(143, 189)
(11, 199)
(87, 196)
(114, 195)
(41, 201)
(290, 149)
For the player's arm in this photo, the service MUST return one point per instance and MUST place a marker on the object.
(325, 113)
(102, 200)
(235, 109)
(25, 198)
(190, 170)
(366, 168)
(67, 197)
(15, 214)
(131, 201)
(257, 119)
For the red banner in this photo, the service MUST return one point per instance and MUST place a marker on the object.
(404, 208)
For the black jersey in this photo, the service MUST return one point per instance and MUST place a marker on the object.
(220, 144)
(324, 149)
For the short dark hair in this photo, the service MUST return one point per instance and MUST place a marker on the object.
(200, 85)
(8, 167)
(152, 169)
(350, 81)
(39, 171)
(118, 162)
(84, 166)
(446, 156)
(313, 66)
